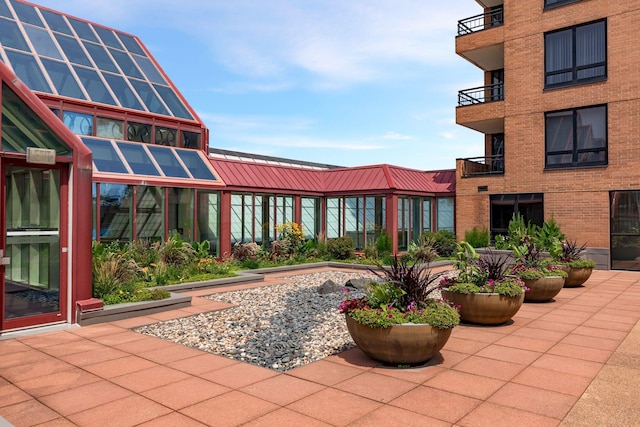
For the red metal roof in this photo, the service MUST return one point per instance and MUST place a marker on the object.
(250, 176)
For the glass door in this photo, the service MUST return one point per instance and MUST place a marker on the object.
(32, 274)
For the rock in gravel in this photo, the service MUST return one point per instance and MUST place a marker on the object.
(329, 287)
(358, 283)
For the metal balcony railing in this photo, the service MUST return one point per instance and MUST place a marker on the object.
(480, 95)
(493, 18)
(487, 165)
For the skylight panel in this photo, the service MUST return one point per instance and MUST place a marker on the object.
(28, 70)
(105, 157)
(137, 158)
(195, 164)
(42, 42)
(126, 64)
(27, 13)
(107, 36)
(10, 36)
(94, 86)
(100, 57)
(4, 10)
(56, 22)
(173, 102)
(150, 99)
(131, 44)
(73, 51)
(150, 70)
(168, 162)
(122, 91)
(62, 79)
(83, 30)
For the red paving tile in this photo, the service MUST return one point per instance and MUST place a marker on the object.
(28, 413)
(492, 415)
(466, 384)
(147, 379)
(353, 357)
(130, 411)
(285, 418)
(380, 388)
(56, 382)
(173, 419)
(10, 395)
(116, 367)
(229, 409)
(568, 365)
(185, 393)
(525, 343)
(238, 375)
(335, 407)
(415, 375)
(282, 389)
(531, 399)
(467, 346)
(509, 354)
(326, 373)
(202, 363)
(579, 352)
(553, 380)
(85, 397)
(439, 404)
(390, 415)
(491, 368)
(591, 342)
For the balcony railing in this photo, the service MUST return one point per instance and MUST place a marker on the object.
(480, 95)
(493, 18)
(480, 166)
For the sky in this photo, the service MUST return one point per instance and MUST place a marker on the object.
(346, 83)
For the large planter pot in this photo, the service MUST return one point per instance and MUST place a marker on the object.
(543, 289)
(576, 276)
(484, 308)
(405, 344)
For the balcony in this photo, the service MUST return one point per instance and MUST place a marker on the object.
(481, 95)
(490, 19)
(482, 166)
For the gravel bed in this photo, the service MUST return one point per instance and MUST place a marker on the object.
(279, 327)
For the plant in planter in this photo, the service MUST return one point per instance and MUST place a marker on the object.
(543, 279)
(482, 290)
(578, 269)
(398, 322)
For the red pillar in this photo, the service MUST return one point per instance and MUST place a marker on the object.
(392, 220)
(225, 224)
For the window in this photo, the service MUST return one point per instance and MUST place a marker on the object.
(553, 3)
(504, 206)
(576, 55)
(576, 138)
(78, 123)
(445, 214)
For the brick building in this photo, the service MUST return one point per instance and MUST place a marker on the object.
(559, 112)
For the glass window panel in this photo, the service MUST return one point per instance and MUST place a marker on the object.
(83, 30)
(126, 64)
(138, 132)
(310, 217)
(173, 102)
(591, 44)
(150, 70)
(334, 218)
(100, 57)
(353, 217)
(115, 212)
(124, 93)
(559, 130)
(591, 127)
(247, 218)
(445, 213)
(27, 13)
(73, 50)
(149, 217)
(107, 37)
(4, 10)
(109, 128)
(131, 44)
(190, 139)
(56, 22)
(168, 162)
(209, 220)
(166, 136)
(137, 158)
(416, 218)
(10, 36)
(237, 212)
(78, 123)
(105, 156)
(42, 42)
(272, 218)
(258, 215)
(195, 164)
(426, 215)
(147, 95)
(63, 80)
(28, 70)
(22, 128)
(559, 50)
(94, 86)
(180, 215)
(403, 223)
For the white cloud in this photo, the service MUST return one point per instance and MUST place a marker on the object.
(396, 136)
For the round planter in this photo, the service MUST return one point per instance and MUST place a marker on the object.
(405, 344)
(576, 276)
(543, 289)
(484, 309)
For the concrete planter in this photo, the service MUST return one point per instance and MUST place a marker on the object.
(576, 276)
(543, 289)
(405, 344)
(485, 308)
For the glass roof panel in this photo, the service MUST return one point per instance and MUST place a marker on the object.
(149, 70)
(27, 13)
(22, 128)
(10, 36)
(73, 50)
(94, 86)
(56, 22)
(173, 102)
(83, 30)
(28, 70)
(100, 57)
(149, 97)
(168, 162)
(107, 37)
(4, 10)
(42, 42)
(62, 78)
(131, 44)
(105, 157)
(137, 158)
(126, 64)
(195, 164)
(122, 91)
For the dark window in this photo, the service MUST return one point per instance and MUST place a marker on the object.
(56, 22)
(166, 136)
(83, 30)
(94, 86)
(576, 55)
(553, 3)
(497, 152)
(504, 206)
(72, 49)
(576, 138)
(497, 85)
(11, 36)
(190, 139)
(138, 132)
(27, 13)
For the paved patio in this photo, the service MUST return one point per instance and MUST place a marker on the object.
(572, 362)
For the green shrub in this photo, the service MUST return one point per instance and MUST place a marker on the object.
(444, 242)
(384, 245)
(371, 251)
(477, 238)
(341, 248)
(112, 271)
(243, 251)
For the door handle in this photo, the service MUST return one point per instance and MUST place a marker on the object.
(3, 259)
